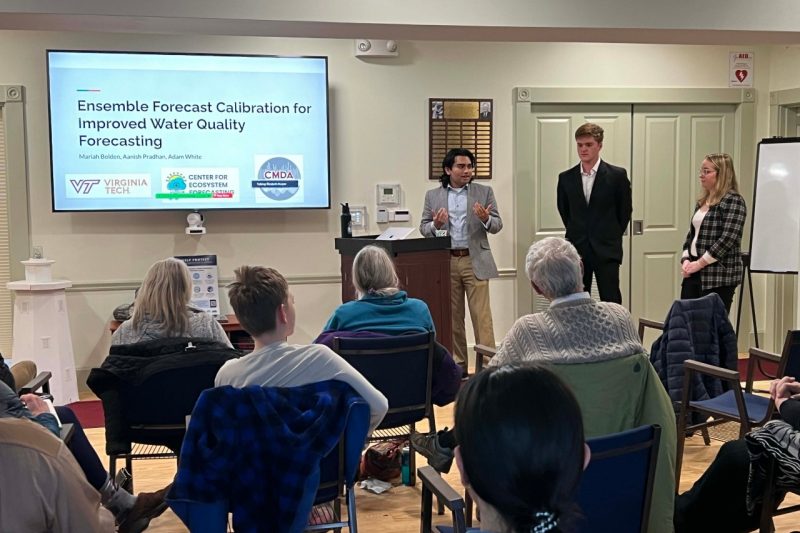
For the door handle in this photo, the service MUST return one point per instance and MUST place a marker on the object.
(638, 227)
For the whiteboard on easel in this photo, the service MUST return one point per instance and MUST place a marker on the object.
(775, 235)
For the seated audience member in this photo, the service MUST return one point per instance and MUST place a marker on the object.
(42, 488)
(162, 309)
(575, 328)
(381, 306)
(717, 501)
(594, 347)
(133, 514)
(521, 449)
(262, 302)
(383, 309)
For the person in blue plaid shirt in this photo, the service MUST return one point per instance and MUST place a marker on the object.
(712, 256)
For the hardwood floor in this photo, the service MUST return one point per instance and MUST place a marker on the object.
(398, 510)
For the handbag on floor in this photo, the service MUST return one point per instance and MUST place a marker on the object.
(383, 460)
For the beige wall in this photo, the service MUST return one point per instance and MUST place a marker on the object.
(784, 68)
(378, 133)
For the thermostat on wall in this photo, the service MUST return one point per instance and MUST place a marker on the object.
(382, 215)
(388, 194)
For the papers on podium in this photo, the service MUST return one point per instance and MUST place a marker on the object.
(395, 234)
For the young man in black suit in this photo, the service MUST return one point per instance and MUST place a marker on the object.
(594, 201)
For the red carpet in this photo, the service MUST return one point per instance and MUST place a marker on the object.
(90, 413)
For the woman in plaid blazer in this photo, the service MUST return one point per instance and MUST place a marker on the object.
(712, 258)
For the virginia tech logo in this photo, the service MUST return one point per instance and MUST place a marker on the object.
(83, 186)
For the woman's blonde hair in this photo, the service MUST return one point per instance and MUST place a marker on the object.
(374, 273)
(726, 179)
(163, 298)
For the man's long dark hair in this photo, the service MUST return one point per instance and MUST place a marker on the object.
(450, 159)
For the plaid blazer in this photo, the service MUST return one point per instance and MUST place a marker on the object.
(721, 236)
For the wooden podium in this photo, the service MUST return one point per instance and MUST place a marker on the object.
(423, 266)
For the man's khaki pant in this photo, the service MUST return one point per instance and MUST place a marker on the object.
(462, 280)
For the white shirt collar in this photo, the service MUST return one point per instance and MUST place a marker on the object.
(594, 168)
(570, 298)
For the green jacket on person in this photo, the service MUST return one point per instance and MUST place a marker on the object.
(621, 394)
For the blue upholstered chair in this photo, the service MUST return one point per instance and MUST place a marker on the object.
(401, 367)
(617, 486)
(614, 494)
(338, 473)
(748, 409)
(324, 489)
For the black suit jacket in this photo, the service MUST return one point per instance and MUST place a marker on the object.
(600, 224)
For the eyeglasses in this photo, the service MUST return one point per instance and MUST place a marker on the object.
(707, 171)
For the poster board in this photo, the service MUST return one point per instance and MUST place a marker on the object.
(205, 282)
(775, 230)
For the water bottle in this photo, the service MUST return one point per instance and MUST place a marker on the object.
(405, 467)
(346, 219)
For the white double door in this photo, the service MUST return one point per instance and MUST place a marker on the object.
(662, 147)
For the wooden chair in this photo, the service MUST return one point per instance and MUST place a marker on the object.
(29, 380)
(647, 323)
(744, 407)
(768, 504)
(434, 485)
(482, 355)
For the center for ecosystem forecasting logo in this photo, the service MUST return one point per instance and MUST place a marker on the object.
(176, 182)
(279, 178)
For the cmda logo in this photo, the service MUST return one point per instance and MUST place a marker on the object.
(279, 178)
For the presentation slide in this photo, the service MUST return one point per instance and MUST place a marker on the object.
(141, 131)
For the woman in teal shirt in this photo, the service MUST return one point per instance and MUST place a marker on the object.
(381, 306)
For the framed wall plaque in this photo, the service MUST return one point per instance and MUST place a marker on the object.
(461, 123)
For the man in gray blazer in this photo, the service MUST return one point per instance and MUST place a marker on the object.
(467, 212)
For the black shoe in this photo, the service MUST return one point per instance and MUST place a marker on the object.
(124, 479)
(439, 457)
